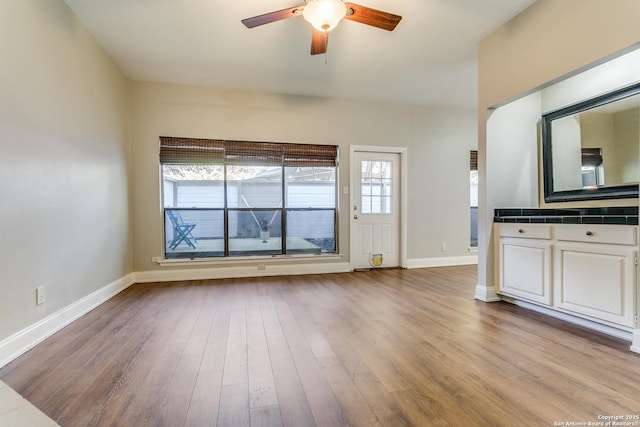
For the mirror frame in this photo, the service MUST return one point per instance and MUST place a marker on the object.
(605, 192)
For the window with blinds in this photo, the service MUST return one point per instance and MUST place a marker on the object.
(473, 197)
(242, 198)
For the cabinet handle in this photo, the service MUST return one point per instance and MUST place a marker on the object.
(589, 233)
(521, 231)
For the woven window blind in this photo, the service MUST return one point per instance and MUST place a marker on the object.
(190, 151)
(309, 155)
(212, 151)
(591, 157)
(473, 160)
(252, 153)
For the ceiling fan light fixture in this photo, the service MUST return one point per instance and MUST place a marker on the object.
(324, 15)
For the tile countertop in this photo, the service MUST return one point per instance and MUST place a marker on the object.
(625, 215)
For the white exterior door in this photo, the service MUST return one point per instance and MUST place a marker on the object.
(375, 209)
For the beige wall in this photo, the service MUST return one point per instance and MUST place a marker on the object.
(438, 143)
(64, 121)
(550, 40)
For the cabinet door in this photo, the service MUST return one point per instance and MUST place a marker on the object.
(525, 269)
(596, 281)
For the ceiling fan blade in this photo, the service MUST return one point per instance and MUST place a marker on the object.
(375, 18)
(272, 17)
(319, 41)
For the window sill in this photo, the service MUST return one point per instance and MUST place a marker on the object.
(244, 259)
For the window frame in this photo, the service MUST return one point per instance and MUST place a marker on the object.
(473, 167)
(226, 210)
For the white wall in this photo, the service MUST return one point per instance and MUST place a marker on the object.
(438, 142)
(512, 156)
(567, 157)
(64, 124)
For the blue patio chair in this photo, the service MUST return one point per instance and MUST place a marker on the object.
(181, 230)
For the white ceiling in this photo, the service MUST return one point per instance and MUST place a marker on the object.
(430, 58)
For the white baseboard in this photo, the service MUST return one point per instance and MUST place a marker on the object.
(24, 340)
(486, 294)
(635, 343)
(20, 342)
(599, 327)
(442, 261)
(166, 275)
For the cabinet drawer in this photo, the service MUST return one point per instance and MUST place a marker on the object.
(611, 234)
(526, 231)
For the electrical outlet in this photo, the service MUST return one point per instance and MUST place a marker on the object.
(155, 259)
(41, 295)
(261, 267)
(444, 247)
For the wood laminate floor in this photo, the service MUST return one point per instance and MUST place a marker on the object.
(378, 348)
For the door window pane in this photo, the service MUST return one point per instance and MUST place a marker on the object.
(375, 187)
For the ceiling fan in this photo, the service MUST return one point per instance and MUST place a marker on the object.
(324, 15)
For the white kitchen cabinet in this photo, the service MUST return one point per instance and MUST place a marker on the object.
(584, 270)
(525, 262)
(594, 272)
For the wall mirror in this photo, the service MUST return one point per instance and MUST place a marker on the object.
(590, 149)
